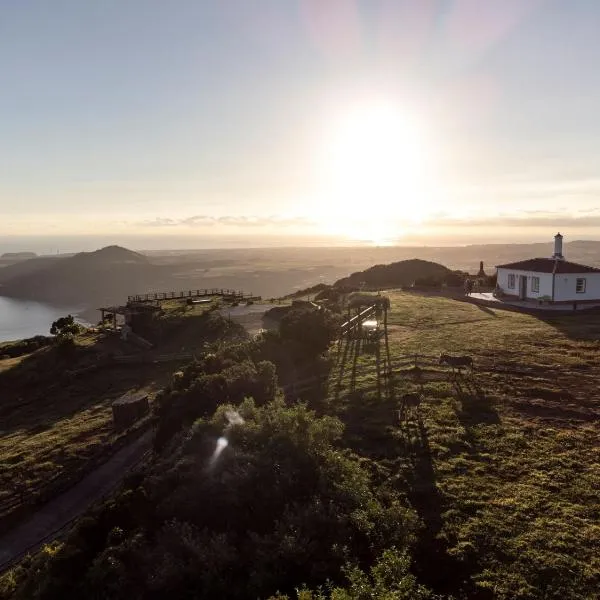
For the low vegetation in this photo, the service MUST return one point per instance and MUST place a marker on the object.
(488, 490)
(55, 410)
(178, 326)
(400, 274)
(19, 348)
(56, 397)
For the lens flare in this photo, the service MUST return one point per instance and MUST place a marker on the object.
(222, 443)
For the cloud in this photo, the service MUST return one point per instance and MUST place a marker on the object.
(229, 221)
(527, 218)
(159, 222)
(561, 219)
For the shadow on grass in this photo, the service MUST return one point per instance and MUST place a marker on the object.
(486, 310)
(347, 348)
(357, 345)
(476, 408)
(348, 354)
(579, 326)
(434, 566)
(369, 422)
(372, 429)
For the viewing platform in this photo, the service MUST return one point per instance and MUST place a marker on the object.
(236, 295)
(140, 303)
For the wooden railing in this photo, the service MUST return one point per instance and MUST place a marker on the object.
(225, 293)
(356, 320)
(153, 358)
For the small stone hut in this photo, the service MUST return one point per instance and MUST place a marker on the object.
(129, 408)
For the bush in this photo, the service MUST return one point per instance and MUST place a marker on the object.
(308, 332)
(427, 282)
(229, 375)
(15, 349)
(281, 504)
(388, 579)
(64, 330)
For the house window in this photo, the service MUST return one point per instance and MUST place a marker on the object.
(535, 284)
(580, 285)
(511, 281)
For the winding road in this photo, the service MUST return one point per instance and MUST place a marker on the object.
(54, 518)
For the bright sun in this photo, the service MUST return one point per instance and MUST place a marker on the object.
(377, 172)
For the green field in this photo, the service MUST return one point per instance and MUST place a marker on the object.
(501, 465)
(55, 406)
(56, 418)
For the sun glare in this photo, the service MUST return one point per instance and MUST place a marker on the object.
(377, 161)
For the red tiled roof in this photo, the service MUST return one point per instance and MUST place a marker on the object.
(548, 265)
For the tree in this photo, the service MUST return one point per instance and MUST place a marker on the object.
(308, 331)
(65, 329)
(278, 506)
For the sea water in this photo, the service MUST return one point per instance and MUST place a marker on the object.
(25, 318)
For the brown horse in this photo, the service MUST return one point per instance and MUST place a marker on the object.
(408, 401)
(456, 362)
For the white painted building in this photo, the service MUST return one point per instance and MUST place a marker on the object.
(550, 279)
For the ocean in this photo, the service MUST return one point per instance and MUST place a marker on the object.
(24, 318)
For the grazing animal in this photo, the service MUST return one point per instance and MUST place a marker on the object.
(456, 362)
(408, 401)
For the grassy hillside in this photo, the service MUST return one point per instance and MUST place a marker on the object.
(28, 267)
(502, 466)
(398, 274)
(55, 411)
(55, 406)
(490, 490)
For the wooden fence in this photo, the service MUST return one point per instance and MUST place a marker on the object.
(22, 499)
(356, 321)
(131, 359)
(64, 529)
(224, 293)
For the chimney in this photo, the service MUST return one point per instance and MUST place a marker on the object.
(558, 255)
(481, 271)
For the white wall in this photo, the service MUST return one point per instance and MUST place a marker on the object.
(564, 286)
(545, 282)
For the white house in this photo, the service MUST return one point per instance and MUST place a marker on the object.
(550, 279)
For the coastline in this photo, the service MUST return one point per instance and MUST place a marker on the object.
(21, 318)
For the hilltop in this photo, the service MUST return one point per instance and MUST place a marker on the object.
(398, 274)
(110, 255)
(105, 275)
(8, 258)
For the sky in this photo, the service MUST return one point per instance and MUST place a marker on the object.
(295, 121)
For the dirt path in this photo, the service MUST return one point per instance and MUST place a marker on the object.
(53, 518)
(250, 317)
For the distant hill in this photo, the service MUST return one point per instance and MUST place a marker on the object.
(90, 278)
(110, 255)
(18, 255)
(107, 276)
(27, 267)
(402, 273)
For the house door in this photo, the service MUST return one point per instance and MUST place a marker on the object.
(522, 287)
